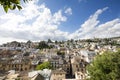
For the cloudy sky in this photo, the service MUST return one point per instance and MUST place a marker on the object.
(61, 20)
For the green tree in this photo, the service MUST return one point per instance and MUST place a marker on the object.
(44, 65)
(60, 53)
(49, 41)
(105, 67)
(42, 45)
(11, 4)
(56, 42)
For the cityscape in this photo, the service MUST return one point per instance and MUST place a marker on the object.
(62, 60)
(59, 40)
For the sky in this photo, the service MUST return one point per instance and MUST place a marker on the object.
(61, 20)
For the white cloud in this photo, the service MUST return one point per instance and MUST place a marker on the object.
(35, 22)
(91, 29)
(68, 11)
(108, 29)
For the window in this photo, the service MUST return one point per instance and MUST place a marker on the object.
(82, 70)
(61, 74)
(25, 68)
(81, 76)
(15, 65)
(76, 66)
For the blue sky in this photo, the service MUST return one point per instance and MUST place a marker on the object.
(61, 20)
(82, 9)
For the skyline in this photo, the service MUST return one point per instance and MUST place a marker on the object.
(62, 20)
